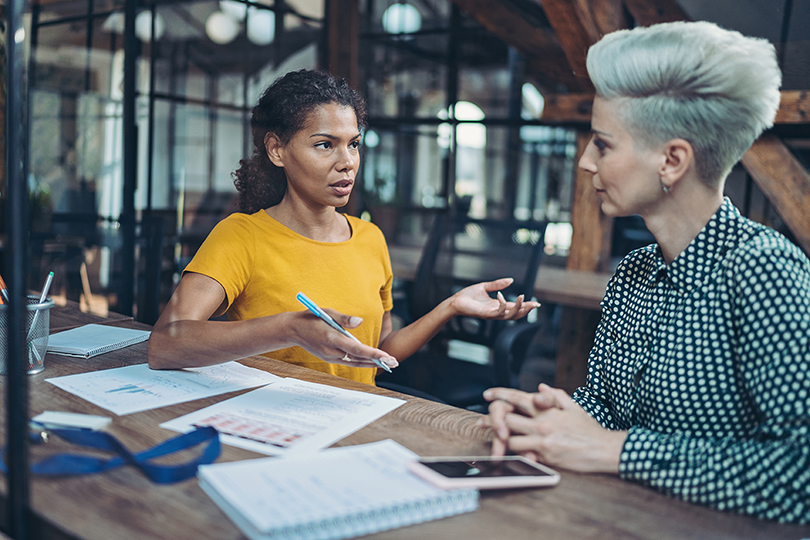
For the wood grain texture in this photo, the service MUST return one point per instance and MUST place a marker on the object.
(525, 31)
(590, 243)
(649, 12)
(785, 183)
(575, 28)
(590, 251)
(794, 107)
(568, 108)
(609, 15)
(70, 316)
(123, 504)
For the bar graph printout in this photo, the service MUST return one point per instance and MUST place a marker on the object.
(288, 417)
(136, 388)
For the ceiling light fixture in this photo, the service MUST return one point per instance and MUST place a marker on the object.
(401, 19)
(221, 28)
(261, 26)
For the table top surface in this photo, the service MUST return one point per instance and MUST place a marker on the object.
(575, 288)
(124, 504)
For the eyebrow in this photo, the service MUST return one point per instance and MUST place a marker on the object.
(600, 133)
(333, 137)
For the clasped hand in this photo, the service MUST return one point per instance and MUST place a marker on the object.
(550, 427)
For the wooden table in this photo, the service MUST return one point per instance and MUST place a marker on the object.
(125, 505)
(70, 316)
(554, 285)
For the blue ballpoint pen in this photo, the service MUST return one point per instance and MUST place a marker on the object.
(310, 305)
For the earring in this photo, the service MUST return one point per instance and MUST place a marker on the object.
(664, 187)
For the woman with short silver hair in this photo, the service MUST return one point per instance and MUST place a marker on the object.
(698, 380)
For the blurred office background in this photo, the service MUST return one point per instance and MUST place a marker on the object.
(459, 121)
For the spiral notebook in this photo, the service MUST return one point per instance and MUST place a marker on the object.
(336, 493)
(93, 339)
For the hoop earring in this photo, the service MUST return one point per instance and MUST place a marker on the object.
(665, 188)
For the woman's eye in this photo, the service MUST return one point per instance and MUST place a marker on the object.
(600, 144)
(354, 144)
(325, 145)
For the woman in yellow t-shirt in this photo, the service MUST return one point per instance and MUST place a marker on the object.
(290, 238)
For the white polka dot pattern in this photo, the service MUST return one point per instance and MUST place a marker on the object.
(707, 363)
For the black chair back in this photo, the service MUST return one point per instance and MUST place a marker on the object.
(462, 251)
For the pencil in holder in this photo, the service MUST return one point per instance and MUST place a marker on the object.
(37, 328)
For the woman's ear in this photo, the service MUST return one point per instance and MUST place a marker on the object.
(273, 146)
(679, 157)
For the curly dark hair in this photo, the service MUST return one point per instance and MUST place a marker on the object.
(282, 110)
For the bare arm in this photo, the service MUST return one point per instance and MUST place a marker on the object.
(473, 301)
(184, 337)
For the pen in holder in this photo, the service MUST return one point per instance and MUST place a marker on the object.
(37, 327)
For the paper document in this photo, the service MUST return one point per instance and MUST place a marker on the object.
(137, 388)
(338, 493)
(290, 416)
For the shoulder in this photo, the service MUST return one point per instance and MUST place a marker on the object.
(236, 232)
(237, 221)
(637, 264)
(365, 230)
(765, 252)
(766, 268)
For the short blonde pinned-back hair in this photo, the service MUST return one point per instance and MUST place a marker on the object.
(713, 87)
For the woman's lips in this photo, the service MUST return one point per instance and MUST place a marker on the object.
(342, 188)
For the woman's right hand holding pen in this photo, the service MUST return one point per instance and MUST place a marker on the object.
(319, 339)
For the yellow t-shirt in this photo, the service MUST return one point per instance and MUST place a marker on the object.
(262, 265)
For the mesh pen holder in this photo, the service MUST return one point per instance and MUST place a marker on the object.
(37, 327)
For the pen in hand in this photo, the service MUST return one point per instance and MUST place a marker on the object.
(310, 305)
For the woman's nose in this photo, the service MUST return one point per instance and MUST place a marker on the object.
(586, 161)
(347, 160)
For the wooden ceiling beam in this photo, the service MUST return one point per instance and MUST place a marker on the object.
(524, 32)
(784, 182)
(609, 15)
(567, 108)
(576, 30)
(794, 108)
(648, 12)
(579, 24)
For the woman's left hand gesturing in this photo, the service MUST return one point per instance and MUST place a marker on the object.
(475, 301)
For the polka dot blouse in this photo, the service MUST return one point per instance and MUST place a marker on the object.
(707, 363)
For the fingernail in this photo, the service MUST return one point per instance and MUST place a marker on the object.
(487, 394)
(390, 360)
(355, 321)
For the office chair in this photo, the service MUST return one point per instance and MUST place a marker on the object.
(459, 363)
